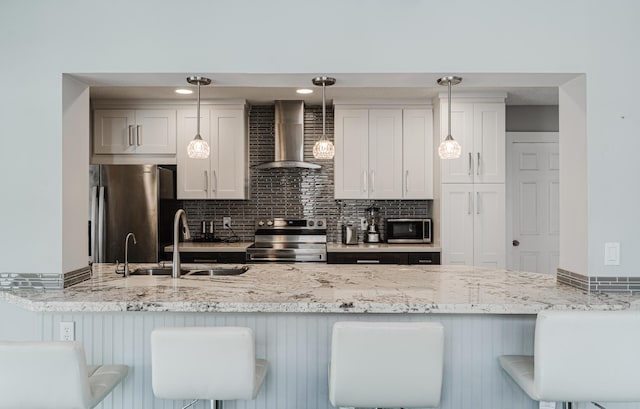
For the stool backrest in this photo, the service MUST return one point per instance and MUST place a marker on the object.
(214, 363)
(588, 356)
(382, 364)
(51, 375)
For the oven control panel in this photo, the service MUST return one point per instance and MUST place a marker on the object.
(293, 224)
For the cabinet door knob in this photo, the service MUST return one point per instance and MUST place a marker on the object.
(515, 243)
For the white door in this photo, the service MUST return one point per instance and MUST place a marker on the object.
(456, 230)
(193, 175)
(533, 185)
(458, 170)
(385, 154)
(489, 229)
(114, 131)
(488, 156)
(351, 173)
(155, 131)
(228, 153)
(417, 157)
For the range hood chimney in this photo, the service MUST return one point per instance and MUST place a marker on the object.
(289, 138)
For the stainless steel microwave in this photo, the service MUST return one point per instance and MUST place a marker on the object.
(409, 230)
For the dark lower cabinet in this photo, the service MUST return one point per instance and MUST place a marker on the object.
(201, 257)
(424, 258)
(383, 258)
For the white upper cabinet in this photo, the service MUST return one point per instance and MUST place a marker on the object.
(224, 175)
(417, 153)
(134, 131)
(383, 153)
(479, 127)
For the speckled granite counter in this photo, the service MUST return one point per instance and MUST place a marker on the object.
(322, 288)
(381, 248)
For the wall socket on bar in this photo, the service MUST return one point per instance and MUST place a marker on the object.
(226, 222)
(68, 331)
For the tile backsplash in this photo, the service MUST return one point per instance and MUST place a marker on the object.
(291, 193)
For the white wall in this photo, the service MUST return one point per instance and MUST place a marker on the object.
(40, 40)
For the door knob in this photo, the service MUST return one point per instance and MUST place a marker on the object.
(515, 243)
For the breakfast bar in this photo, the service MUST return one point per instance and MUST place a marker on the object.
(292, 308)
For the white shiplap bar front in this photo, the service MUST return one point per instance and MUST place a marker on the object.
(292, 307)
(297, 348)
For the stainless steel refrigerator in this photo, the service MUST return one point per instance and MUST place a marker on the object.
(130, 198)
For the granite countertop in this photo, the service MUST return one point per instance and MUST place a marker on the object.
(324, 288)
(381, 248)
(205, 247)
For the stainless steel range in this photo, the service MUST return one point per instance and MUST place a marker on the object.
(289, 240)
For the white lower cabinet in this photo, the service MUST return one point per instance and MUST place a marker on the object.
(224, 174)
(473, 230)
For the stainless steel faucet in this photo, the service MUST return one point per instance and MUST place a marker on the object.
(180, 215)
(126, 252)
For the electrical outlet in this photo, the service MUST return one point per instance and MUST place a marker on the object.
(363, 223)
(67, 331)
(226, 222)
(612, 254)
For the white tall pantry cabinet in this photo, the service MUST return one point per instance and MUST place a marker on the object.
(472, 208)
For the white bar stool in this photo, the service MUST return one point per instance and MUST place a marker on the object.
(581, 356)
(53, 375)
(212, 363)
(385, 364)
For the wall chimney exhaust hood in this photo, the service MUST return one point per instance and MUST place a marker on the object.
(289, 137)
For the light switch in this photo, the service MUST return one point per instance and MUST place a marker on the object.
(611, 254)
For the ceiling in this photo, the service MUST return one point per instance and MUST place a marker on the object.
(521, 89)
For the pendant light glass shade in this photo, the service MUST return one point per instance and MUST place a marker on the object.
(198, 148)
(449, 148)
(324, 148)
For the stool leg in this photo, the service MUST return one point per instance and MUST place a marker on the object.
(216, 404)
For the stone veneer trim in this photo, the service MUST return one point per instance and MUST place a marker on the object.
(599, 283)
(14, 281)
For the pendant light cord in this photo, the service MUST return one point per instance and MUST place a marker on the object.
(198, 110)
(449, 133)
(324, 114)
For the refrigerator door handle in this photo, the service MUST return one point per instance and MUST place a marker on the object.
(101, 225)
(92, 221)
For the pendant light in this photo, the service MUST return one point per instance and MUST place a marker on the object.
(198, 148)
(324, 149)
(449, 148)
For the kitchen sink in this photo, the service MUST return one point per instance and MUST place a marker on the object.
(218, 271)
(155, 271)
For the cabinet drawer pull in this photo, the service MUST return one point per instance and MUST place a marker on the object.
(368, 261)
(425, 261)
(204, 260)
(138, 135)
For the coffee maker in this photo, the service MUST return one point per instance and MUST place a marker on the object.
(372, 234)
